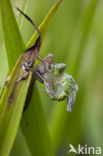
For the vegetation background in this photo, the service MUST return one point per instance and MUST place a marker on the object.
(75, 37)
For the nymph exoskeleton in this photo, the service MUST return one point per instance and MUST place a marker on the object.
(28, 58)
(33, 51)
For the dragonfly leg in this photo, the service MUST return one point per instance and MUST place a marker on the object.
(24, 77)
(39, 59)
(39, 77)
(6, 84)
(41, 56)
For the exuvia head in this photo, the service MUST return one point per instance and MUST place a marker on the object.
(49, 59)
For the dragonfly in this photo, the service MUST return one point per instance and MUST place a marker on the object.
(58, 84)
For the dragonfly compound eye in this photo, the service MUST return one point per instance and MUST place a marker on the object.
(61, 67)
(58, 68)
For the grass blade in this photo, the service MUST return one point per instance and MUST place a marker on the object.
(20, 147)
(10, 112)
(3, 67)
(35, 129)
(13, 41)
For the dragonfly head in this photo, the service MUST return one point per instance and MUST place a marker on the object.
(58, 68)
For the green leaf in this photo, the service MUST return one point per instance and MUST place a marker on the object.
(20, 147)
(34, 128)
(10, 112)
(13, 99)
(13, 40)
(3, 67)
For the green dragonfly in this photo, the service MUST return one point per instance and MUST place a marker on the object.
(58, 84)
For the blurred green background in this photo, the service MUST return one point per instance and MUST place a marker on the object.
(75, 38)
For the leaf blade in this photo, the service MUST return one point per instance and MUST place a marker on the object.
(35, 129)
(13, 41)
